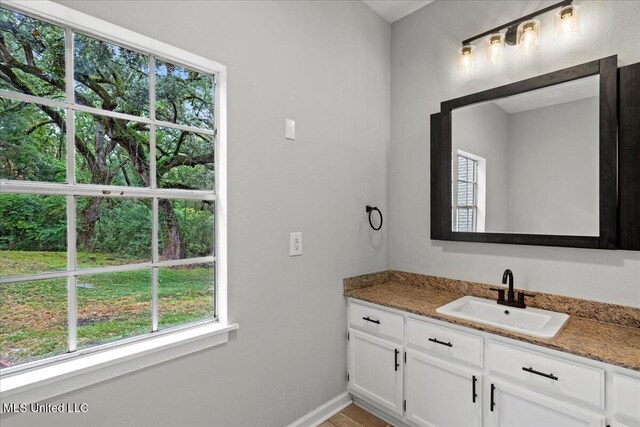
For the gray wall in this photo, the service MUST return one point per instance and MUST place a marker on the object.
(553, 185)
(327, 65)
(483, 130)
(424, 73)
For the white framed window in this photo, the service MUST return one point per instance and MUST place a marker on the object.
(469, 193)
(112, 187)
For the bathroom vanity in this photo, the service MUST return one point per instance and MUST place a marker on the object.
(417, 367)
(547, 161)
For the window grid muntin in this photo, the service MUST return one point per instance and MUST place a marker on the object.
(70, 189)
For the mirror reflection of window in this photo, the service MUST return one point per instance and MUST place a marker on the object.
(470, 193)
(467, 194)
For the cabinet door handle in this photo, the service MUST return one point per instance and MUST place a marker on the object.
(493, 400)
(473, 389)
(371, 320)
(542, 374)
(437, 341)
(396, 359)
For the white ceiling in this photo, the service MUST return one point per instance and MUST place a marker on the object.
(392, 10)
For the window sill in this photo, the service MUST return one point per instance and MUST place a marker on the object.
(52, 380)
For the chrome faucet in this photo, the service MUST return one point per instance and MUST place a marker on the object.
(507, 278)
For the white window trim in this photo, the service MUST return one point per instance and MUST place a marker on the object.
(58, 378)
(86, 369)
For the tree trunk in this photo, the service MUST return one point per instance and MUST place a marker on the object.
(88, 218)
(174, 247)
(99, 175)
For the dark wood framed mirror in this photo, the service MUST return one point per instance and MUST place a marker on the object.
(531, 163)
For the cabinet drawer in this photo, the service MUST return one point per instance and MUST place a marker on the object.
(445, 342)
(557, 376)
(626, 396)
(375, 321)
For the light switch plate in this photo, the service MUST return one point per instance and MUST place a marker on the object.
(290, 129)
(295, 244)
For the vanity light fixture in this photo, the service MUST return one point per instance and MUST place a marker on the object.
(494, 49)
(567, 21)
(467, 61)
(523, 32)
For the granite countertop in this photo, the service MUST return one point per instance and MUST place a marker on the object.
(587, 336)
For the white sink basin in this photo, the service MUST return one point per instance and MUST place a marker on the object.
(529, 321)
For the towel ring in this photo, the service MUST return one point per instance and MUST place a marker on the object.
(370, 209)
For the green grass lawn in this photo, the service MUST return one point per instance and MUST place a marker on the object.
(111, 306)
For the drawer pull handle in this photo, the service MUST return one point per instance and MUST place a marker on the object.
(542, 374)
(473, 389)
(371, 320)
(493, 395)
(437, 341)
(396, 359)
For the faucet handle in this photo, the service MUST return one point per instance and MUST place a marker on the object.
(500, 292)
(521, 296)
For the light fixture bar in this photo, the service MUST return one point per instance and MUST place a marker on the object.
(518, 21)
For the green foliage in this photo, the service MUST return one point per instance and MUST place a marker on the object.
(38, 46)
(189, 146)
(123, 228)
(32, 223)
(184, 96)
(116, 168)
(195, 220)
(111, 77)
(32, 147)
(197, 228)
(38, 223)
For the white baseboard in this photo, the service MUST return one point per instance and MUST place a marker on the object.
(323, 412)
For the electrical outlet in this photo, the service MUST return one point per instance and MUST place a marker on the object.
(295, 244)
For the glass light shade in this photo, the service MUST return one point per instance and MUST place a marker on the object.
(495, 48)
(528, 34)
(567, 22)
(467, 61)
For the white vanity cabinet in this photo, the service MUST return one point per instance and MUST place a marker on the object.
(440, 393)
(421, 372)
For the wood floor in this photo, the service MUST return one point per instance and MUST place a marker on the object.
(354, 416)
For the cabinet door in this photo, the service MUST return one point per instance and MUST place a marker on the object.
(626, 396)
(375, 370)
(511, 406)
(439, 394)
